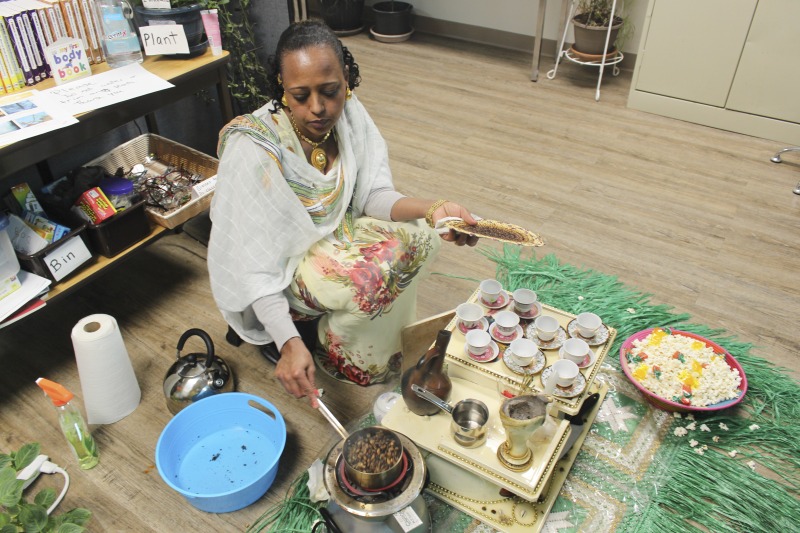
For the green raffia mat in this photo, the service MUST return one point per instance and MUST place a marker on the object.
(661, 484)
(682, 488)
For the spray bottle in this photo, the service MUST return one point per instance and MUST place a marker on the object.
(72, 423)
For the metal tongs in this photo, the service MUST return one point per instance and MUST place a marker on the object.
(332, 419)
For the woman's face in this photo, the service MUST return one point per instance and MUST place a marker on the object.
(315, 88)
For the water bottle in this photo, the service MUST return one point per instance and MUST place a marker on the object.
(120, 43)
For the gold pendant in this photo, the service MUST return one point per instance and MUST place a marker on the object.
(319, 159)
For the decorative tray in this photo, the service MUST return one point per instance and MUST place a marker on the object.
(482, 500)
(432, 433)
(486, 375)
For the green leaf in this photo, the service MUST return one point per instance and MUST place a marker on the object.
(33, 518)
(79, 516)
(5, 518)
(26, 455)
(45, 497)
(10, 487)
(5, 460)
(8, 528)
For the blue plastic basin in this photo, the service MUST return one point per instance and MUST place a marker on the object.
(221, 453)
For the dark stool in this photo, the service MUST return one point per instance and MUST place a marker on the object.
(306, 328)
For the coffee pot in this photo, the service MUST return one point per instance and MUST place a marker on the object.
(197, 375)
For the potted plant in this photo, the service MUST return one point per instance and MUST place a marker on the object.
(591, 26)
(344, 17)
(17, 514)
(392, 21)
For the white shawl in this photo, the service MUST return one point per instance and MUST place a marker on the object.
(260, 229)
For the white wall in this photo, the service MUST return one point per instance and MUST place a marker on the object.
(515, 16)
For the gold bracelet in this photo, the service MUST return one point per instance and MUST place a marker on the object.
(429, 215)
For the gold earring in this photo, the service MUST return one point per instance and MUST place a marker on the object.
(280, 81)
(349, 94)
(284, 102)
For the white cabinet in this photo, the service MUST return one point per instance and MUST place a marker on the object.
(729, 64)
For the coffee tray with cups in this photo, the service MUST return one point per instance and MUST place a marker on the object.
(570, 348)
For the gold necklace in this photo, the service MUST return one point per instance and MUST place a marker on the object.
(319, 159)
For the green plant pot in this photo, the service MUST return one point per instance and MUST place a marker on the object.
(342, 16)
(187, 16)
(592, 39)
(392, 18)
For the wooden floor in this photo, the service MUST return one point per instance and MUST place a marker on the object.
(697, 217)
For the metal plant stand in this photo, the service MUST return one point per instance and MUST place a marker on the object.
(571, 55)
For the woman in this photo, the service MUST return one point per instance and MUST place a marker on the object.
(307, 224)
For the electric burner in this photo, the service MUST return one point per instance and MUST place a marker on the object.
(357, 510)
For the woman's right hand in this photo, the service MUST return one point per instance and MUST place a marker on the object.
(295, 370)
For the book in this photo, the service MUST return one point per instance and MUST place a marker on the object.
(9, 59)
(36, 36)
(33, 286)
(44, 23)
(19, 49)
(91, 30)
(75, 26)
(30, 307)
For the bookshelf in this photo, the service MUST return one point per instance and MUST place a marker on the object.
(187, 76)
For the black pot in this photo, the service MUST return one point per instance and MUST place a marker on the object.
(187, 16)
(392, 18)
(342, 16)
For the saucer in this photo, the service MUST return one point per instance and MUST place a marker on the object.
(499, 337)
(587, 361)
(536, 365)
(553, 344)
(577, 388)
(488, 356)
(501, 301)
(482, 324)
(531, 314)
(599, 338)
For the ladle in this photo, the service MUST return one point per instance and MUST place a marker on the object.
(468, 417)
(332, 419)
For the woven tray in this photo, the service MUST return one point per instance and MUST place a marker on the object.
(170, 153)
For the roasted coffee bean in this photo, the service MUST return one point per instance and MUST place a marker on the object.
(372, 453)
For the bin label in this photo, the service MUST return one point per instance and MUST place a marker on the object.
(67, 257)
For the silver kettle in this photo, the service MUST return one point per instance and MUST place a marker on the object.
(196, 376)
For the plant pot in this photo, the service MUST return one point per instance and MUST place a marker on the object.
(392, 19)
(344, 17)
(187, 16)
(592, 39)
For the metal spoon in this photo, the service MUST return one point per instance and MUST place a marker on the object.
(332, 419)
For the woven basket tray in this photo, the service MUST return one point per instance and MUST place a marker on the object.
(170, 153)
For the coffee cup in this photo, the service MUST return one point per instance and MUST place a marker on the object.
(469, 314)
(564, 372)
(490, 290)
(477, 342)
(575, 350)
(588, 324)
(506, 322)
(523, 351)
(524, 300)
(546, 327)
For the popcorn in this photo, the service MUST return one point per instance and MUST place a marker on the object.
(631, 310)
(754, 427)
(752, 465)
(692, 426)
(676, 414)
(693, 443)
(580, 297)
(705, 428)
(699, 451)
(715, 438)
(680, 432)
(682, 369)
(690, 416)
(732, 453)
(723, 427)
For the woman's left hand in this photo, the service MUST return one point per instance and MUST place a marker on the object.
(452, 209)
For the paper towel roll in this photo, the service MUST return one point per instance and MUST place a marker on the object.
(110, 389)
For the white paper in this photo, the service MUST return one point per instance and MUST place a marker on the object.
(107, 88)
(28, 114)
(32, 286)
(110, 389)
(67, 257)
(156, 4)
(164, 40)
